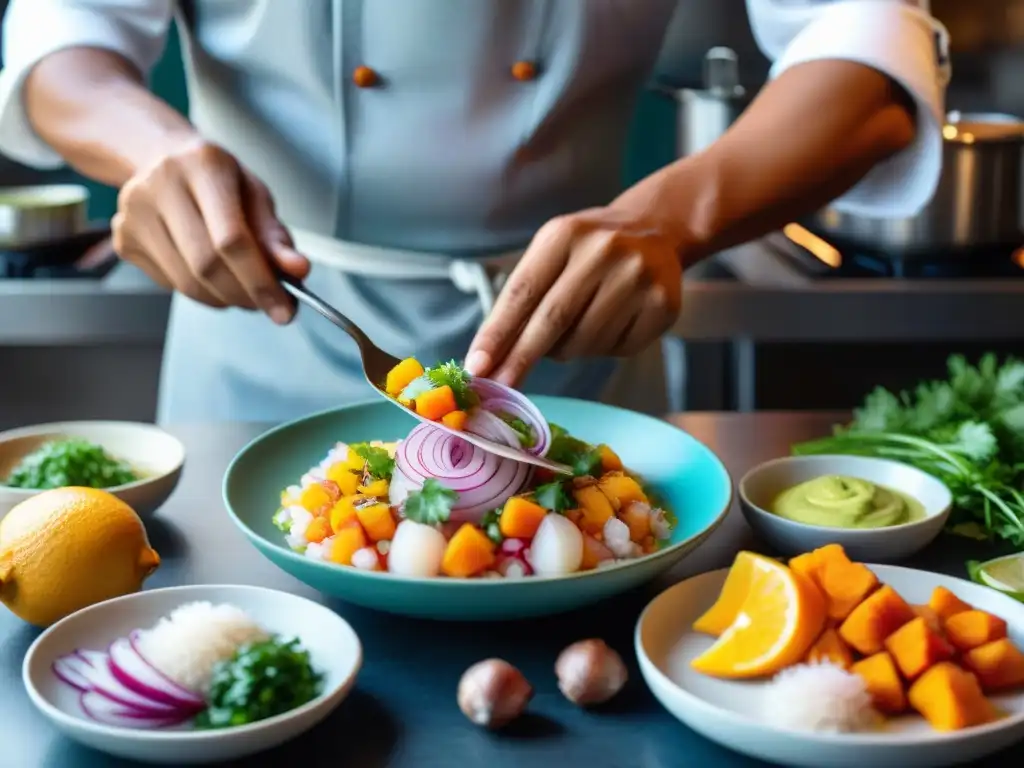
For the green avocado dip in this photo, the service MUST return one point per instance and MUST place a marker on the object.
(835, 501)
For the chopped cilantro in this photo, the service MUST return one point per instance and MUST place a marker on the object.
(523, 430)
(70, 462)
(490, 526)
(283, 520)
(554, 496)
(566, 449)
(379, 464)
(431, 504)
(456, 377)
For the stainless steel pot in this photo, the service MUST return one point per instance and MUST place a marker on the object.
(704, 115)
(979, 202)
(34, 215)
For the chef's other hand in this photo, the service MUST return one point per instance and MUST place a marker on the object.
(601, 282)
(198, 222)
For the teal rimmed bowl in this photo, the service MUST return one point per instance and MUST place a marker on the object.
(683, 473)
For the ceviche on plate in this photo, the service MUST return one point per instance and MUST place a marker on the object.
(433, 504)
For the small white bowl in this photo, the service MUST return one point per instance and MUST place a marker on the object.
(333, 646)
(761, 485)
(152, 452)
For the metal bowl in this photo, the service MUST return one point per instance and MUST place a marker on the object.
(38, 214)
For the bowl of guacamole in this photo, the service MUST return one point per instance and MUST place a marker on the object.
(138, 463)
(878, 510)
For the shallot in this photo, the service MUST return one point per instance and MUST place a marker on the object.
(416, 550)
(493, 693)
(589, 672)
(557, 548)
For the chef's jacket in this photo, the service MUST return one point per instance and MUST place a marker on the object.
(450, 127)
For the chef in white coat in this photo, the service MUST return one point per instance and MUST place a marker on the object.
(401, 154)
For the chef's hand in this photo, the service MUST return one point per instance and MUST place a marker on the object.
(198, 222)
(601, 282)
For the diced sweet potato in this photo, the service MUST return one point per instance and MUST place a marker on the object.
(375, 488)
(435, 404)
(950, 698)
(621, 489)
(377, 521)
(845, 585)
(877, 617)
(829, 647)
(946, 604)
(314, 497)
(343, 476)
(915, 648)
(806, 565)
(594, 553)
(318, 529)
(595, 507)
(883, 682)
(610, 461)
(344, 511)
(999, 665)
(348, 540)
(520, 518)
(455, 420)
(971, 629)
(469, 553)
(402, 375)
(931, 618)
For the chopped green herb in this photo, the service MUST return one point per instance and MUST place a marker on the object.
(523, 430)
(490, 525)
(283, 520)
(585, 459)
(456, 377)
(379, 464)
(261, 680)
(554, 496)
(430, 505)
(72, 462)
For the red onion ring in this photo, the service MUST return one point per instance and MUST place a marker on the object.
(497, 398)
(482, 480)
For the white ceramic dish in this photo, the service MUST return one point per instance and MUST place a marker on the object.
(333, 646)
(152, 452)
(761, 485)
(727, 711)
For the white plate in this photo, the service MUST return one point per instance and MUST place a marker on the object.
(334, 649)
(727, 711)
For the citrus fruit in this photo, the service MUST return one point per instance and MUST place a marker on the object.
(730, 600)
(68, 548)
(780, 617)
(1004, 573)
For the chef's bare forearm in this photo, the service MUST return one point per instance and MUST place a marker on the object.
(811, 135)
(93, 107)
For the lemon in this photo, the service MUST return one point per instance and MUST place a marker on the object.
(65, 549)
(1004, 573)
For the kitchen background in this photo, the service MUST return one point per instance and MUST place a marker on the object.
(90, 347)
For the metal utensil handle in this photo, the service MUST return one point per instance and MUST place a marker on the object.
(310, 299)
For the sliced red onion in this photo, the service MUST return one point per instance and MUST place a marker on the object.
(101, 679)
(74, 670)
(136, 673)
(98, 707)
(482, 480)
(497, 398)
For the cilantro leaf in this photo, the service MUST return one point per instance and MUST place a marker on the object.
(554, 496)
(523, 431)
(431, 504)
(566, 449)
(379, 463)
(455, 376)
(491, 527)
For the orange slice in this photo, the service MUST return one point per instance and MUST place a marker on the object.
(730, 600)
(780, 618)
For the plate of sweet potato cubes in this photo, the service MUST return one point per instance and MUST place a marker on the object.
(822, 661)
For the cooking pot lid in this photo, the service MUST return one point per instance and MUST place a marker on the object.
(971, 127)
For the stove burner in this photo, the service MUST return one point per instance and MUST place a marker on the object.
(820, 259)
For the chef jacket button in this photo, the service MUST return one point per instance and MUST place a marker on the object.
(524, 71)
(364, 77)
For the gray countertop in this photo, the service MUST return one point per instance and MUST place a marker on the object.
(403, 712)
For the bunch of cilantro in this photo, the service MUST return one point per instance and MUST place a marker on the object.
(966, 430)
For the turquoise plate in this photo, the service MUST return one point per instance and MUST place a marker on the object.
(683, 473)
